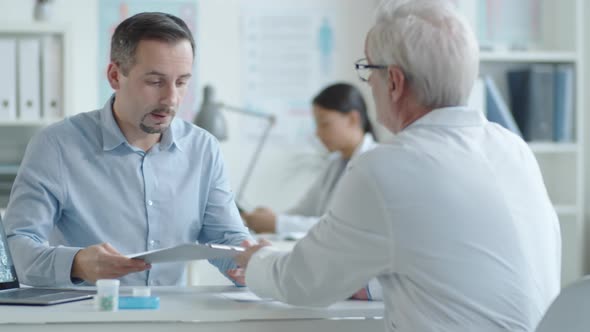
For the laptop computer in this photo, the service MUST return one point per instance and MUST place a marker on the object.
(12, 293)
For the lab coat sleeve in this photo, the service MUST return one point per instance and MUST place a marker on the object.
(350, 245)
(287, 223)
(375, 290)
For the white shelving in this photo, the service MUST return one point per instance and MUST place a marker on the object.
(558, 40)
(52, 100)
(8, 169)
(566, 210)
(27, 123)
(547, 148)
(63, 82)
(529, 57)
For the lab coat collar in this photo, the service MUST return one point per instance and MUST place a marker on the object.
(367, 144)
(451, 117)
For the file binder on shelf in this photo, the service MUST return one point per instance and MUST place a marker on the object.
(563, 120)
(519, 95)
(52, 71)
(29, 72)
(497, 109)
(8, 82)
(542, 100)
(542, 86)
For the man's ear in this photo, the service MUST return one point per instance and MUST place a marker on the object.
(114, 75)
(396, 83)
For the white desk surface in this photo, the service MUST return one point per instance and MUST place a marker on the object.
(202, 308)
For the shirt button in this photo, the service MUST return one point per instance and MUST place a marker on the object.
(153, 244)
(150, 203)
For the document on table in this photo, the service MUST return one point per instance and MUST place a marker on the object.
(244, 297)
(188, 252)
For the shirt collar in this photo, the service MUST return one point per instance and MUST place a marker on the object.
(171, 136)
(112, 136)
(451, 117)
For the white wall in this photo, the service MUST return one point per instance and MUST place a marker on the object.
(279, 178)
(276, 181)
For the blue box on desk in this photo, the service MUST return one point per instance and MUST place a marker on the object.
(139, 302)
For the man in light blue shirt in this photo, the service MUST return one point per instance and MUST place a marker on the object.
(126, 178)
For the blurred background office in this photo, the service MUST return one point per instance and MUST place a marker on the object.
(274, 56)
(343, 127)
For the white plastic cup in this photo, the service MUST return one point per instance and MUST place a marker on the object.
(107, 295)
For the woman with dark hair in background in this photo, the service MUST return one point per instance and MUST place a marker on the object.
(343, 127)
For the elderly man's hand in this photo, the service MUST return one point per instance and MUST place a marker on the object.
(361, 294)
(238, 276)
(242, 259)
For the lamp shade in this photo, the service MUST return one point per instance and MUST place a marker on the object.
(210, 116)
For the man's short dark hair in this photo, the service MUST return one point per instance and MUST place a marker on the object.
(146, 26)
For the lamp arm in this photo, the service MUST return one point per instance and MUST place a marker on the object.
(252, 163)
(269, 117)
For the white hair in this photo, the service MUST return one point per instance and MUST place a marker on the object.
(432, 44)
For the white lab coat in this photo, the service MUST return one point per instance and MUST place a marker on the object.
(453, 219)
(297, 221)
(314, 203)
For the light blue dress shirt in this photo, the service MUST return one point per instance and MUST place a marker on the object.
(81, 183)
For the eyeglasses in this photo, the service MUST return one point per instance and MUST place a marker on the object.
(364, 69)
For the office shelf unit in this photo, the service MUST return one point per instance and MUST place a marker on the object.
(558, 40)
(50, 72)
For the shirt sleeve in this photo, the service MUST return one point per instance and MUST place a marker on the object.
(374, 290)
(350, 245)
(222, 223)
(287, 223)
(36, 202)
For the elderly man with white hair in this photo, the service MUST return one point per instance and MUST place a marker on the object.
(452, 216)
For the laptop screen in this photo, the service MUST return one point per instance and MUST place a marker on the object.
(7, 272)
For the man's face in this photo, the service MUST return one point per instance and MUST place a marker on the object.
(148, 97)
(379, 88)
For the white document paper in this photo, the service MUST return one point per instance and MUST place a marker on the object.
(188, 252)
(244, 297)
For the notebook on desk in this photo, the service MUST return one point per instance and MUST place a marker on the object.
(12, 293)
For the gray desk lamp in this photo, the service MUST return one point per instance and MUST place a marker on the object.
(210, 118)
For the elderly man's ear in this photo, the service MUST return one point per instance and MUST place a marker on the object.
(396, 82)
